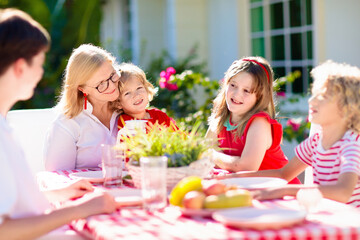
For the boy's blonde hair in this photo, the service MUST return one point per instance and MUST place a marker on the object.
(83, 63)
(262, 87)
(341, 81)
(128, 71)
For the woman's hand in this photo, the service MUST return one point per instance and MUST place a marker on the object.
(74, 190)
(78, 189)
(97, 202)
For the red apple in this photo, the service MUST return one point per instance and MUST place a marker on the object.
(194, 200)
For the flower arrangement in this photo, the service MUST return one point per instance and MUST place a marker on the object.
(186, 152)
(181, 147)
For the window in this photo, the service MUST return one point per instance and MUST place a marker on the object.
(281, 31)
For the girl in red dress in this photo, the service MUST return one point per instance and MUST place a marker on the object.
(135, 94)
(243, 119)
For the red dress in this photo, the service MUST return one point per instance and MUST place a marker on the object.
(155, 116)
(274, 157)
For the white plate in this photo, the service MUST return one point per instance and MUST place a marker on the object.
(196, 212)
(127, 196)
(260, 219)
(91, 176)
(255, 182)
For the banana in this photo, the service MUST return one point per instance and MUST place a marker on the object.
(230, 199)
(192, 183)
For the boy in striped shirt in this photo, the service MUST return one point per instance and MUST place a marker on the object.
(334, 151)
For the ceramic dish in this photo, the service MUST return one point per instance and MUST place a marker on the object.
(127, 196)
(91, 176)
(255, 182)
(260, 219)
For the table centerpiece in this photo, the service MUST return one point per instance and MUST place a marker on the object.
(187, 152)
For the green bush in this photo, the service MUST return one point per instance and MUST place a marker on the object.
(70, 23)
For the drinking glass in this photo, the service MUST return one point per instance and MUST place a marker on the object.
(130, 129)
(309, 198)
(112, 165)
(153, 182)
(133, 125)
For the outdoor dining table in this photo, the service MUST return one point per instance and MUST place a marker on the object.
(332, 220)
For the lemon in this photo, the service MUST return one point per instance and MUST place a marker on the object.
(184, 186)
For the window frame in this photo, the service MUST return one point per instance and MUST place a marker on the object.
(287, 31)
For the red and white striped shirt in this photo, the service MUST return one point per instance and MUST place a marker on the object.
(328, 165)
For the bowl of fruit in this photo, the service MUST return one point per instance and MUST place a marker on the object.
(194, 196)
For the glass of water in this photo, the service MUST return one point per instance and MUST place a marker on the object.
(153, 182)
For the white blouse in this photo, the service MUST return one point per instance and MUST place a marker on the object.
(76, 143)
(20, 195)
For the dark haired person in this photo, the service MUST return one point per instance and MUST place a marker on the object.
(25, 212)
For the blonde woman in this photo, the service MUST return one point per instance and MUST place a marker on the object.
(86, 117)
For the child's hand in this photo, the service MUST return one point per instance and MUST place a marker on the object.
(269, 193)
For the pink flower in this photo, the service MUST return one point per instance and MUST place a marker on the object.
(294, 125)
(162, 83)
(171, 70)
(163, 74)
(165, 77)
(281, 94)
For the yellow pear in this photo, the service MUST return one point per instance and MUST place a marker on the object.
(230, 199)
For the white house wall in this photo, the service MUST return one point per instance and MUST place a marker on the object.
(221, 30)
(151, 31)
(112, 25)
(337, 31)
(191, 25)
(223, 22)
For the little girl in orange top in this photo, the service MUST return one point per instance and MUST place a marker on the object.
(135, 94)
(242, 119)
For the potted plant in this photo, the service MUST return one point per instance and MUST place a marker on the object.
(186, 152)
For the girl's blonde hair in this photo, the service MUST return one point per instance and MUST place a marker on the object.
(341, 81)
(128, 71)
(262, 86)
(83, 63)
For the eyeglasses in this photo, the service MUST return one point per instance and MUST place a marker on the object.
(104, 85)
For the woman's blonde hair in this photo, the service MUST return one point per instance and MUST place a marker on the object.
(83, 63)
(262, 86)
(342, 81)
(128, 71)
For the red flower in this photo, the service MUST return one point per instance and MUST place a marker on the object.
(281, 94)
(171, 86)
(294, 125)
